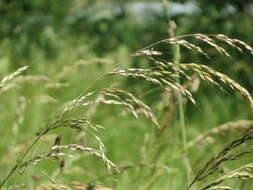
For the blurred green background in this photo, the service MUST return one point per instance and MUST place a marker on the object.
(68, 44)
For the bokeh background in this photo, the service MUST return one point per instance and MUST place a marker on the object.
(68, 44)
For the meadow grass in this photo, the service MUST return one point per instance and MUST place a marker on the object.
(81, 123)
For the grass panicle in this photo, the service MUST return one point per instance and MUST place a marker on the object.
(225, 155)
(204, 72)
(164, 79)
(243, 173)
(210, 39)
(113, 96)
(75, 147)
(9, 77)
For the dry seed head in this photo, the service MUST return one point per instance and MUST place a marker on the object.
(69, 106)
(147, 52)
(34, 160)
(213, 165)
(210, 39)
(78, 124)
(12, 75)
(52, 187)
(222, 188)
(234, 42)
(212, 43)
(212, 76)
(186, 44)
(239, 174)
(204, 72)
(91, 151)
(164, 79)
(131, 101)
(113, 96)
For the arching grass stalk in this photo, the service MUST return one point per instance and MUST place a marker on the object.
(22, 157)
(182, 119)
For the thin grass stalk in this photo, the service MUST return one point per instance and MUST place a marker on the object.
(55, 125)
(166, 9)
(177, 57)
(225, 155)
(232, 174)
(180, 104)
(182, 119)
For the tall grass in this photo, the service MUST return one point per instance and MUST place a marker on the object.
(154, 167)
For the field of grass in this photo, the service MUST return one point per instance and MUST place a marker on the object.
(101, 109)
(56, 135)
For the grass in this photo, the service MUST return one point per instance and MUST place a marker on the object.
(81, 124)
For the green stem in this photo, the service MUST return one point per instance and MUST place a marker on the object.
(177, 57)
(180, 103)
(176, 60)
(182, 120)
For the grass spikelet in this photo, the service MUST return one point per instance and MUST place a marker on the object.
(36, 159)
(147, 52)
(113, 96)
(205, 73)
(165, 79)
(210, 39)
(186, 44)
(222, 188)
(212, 76)
(78, 124)
(132, 103)
(91, 151)
(55, 152)
(9, 77)
(242, 173)
(212, 43)
(233, 42)
(53, 187)
(75, 103)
